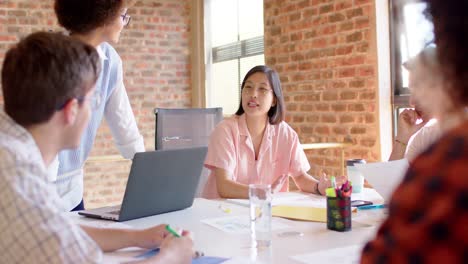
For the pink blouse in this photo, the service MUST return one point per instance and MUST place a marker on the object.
(231, 148)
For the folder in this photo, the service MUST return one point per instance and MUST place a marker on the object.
(300, 213)
(303, 213)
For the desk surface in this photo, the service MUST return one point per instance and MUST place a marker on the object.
(214, 242)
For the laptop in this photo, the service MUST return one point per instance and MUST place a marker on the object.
(160, 181)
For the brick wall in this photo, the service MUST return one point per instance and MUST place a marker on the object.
(325, 53)
(155, 54)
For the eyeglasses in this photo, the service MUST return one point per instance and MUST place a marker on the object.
(95, 101)
(126, 19)
(261, 91)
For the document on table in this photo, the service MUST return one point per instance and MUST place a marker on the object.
(239, 224)
(344, 255)
(384, 176)
(290, 198)
(129, 255)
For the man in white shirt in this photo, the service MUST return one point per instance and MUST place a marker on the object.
(417, 128)
(48, 84)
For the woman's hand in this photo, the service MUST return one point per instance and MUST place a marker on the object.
(278, 184)
(325, 183)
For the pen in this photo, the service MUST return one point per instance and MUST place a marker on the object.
(173, 232)
(227, 210)
(333, 182)
(369, 207)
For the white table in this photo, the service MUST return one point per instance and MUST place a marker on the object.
(214, 242)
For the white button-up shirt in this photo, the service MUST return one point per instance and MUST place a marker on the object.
(33, 227)
(117, 111)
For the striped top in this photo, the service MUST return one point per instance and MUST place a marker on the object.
(32, 226)
(117, 111)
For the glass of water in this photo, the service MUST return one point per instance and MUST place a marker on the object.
(260, 214)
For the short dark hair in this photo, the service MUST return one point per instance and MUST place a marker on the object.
(42, 72)
(276, 113)
(451, 38)
(83, 16)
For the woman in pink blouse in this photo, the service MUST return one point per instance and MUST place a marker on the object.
(256, 145)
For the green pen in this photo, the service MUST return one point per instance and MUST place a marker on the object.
(172, 231)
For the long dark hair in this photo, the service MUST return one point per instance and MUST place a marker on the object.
(451, 38)
(276, 113)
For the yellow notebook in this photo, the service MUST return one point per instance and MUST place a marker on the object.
(301, 213)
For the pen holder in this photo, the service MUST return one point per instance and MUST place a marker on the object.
(339, 213)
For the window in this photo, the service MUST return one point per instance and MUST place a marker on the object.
(411, 32)
(233, 44)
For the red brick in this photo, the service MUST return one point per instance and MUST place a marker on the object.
(358, 130)
(348, 95)
(367, 142)
(330, 96)
(356, 108)
(354, 13)
(326, 9)
(343, 5)
(347, 119)
(343, 50)
(328, 119)
(322, 107)
(357, 84)
(340, 130)
(346, 72)
(354, 37)
(338, 107)
(322, 130)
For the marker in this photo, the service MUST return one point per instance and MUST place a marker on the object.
(172, 231)
(227, 210)
(330, 192)
(370, 207)
(333, 182)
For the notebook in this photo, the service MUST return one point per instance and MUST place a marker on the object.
(160, 181)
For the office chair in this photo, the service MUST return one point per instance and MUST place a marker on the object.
(188, 127)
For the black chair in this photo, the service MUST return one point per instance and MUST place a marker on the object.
(188, 127)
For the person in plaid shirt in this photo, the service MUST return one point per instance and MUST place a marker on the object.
(48, 84)
(428, 213)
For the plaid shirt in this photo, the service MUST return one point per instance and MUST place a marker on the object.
(32, 227)
(428, 215)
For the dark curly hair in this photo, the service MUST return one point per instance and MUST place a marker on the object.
(83, 16)
(451, 38)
